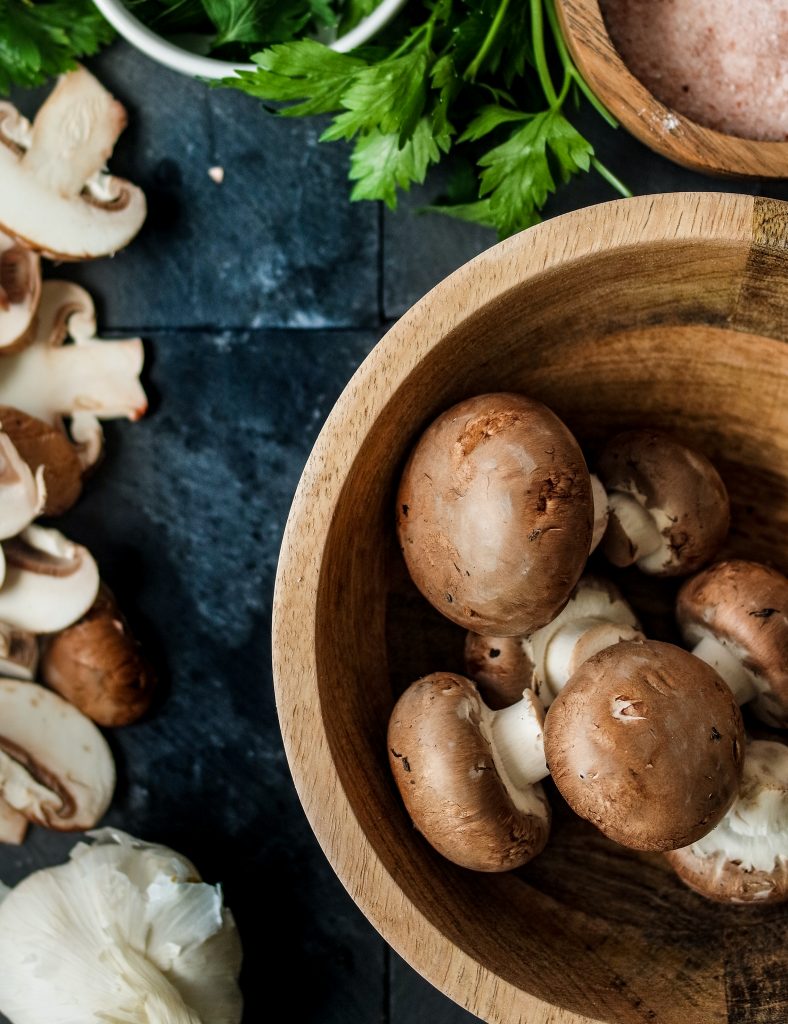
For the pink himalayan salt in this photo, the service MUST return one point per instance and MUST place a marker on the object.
(722, 63)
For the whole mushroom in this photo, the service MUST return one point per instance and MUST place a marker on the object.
(595, 617)
(735, 614)
(646, 743)
(495, 515)
(46, 449)
(745, 858)
(20, 290)
(98, 666)
(669, 511)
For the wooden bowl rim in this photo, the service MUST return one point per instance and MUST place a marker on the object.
(622, 224)
(686, 143)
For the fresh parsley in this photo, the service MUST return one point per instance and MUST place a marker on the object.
(473, 80)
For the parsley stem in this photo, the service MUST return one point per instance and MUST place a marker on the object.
(610, 178)
(571, 69)
(475, 65)
(540, 57)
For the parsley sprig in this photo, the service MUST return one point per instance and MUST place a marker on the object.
(470, 79)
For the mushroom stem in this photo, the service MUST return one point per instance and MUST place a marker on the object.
(727, 665)
(516, 737)
(21, 790)
(601, 511)
(576, 642)
(636, 523)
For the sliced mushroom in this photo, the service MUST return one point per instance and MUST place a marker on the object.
(55, 766)
(495, 515)
(22, 494)
(595, 617)
(669, 510)
(469, 776)
(745, 858)
(18, 653)
(50, 582)
(88, 381)
(647, 743)
(47, 448)
(98, 666)
(20, 290)
(55, 195)
(735, 614)
(13, 827)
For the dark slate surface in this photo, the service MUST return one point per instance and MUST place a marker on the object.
(187, 512)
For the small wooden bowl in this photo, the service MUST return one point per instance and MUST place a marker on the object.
(665, 130)
(669, 311)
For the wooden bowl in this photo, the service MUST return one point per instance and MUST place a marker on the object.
(669, 311)
(664, 129)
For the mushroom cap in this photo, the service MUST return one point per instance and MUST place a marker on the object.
(500, 667)
(54, 195)
(679, 487)
(744, 605)
(42, 444)
(646, 742)
(745, 858)
(61, 751)
(444, 769)
(97, 665)
(20, 290)
(494, 514)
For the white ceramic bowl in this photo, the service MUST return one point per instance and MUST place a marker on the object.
(172, 56)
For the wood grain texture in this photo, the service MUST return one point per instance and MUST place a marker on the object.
(623, 315)
(663, 129)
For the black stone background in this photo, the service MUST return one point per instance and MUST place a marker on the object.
(257, 299)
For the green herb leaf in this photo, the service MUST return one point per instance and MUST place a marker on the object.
(379, 165)
(488, 119)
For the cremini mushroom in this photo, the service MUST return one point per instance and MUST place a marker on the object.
(20, 290)
(88, 381)
(55, 766)
(22, 490)
(55, 194)
(595, 617)
(46, 448)
(495, 515)
(468, 775)
(735, 616)
(646, 742)
(668, 508)
(50, 582)
(98, 666)
(745, 858)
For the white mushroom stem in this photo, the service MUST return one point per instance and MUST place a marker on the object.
(637, 523)
(22, 493)
(516, 736)
(601, 511)
(728, 664)
(13, 827)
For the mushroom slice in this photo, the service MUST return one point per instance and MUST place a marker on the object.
(89, 380)
(22, 494)
(47, 449)
(55, 766)
(49, 583)
(468, 775)
(745, 858)
(735, 614)
(98, 666)
(13, 827)
(20, 290)
(18, 653)
(495, 514)
(595, 617)
(669, 510)
(646, 743)
(55, 195)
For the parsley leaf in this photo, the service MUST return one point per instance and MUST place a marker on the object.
(379, 165)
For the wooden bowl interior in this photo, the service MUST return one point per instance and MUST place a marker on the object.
(629, 339)
(664, 129)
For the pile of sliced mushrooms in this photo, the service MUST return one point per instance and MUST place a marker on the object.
(497, 515)
(125, 930)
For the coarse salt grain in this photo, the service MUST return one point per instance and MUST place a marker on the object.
(722, 63)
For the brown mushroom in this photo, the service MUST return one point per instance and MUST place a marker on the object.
(735, 614)
(98, 666)
(20, 289)
(669, 510)
(42, 445)
(495, 515)
(745, 858)
(467, 774)
(646, 742)
(595, 617)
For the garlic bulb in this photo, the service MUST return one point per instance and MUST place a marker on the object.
(124, 933)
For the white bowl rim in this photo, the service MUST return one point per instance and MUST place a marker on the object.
(172, 56)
